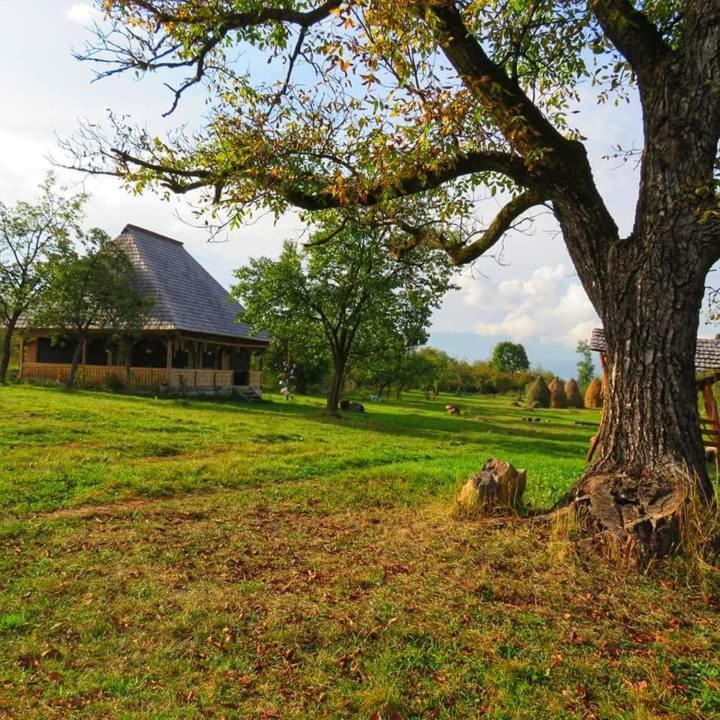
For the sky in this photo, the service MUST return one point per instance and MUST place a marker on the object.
(527, 293)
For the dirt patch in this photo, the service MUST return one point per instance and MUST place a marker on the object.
(117, 509)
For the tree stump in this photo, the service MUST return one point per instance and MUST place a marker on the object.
(498, 484)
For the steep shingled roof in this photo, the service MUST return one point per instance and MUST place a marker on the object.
(707, 351)
(186, 296)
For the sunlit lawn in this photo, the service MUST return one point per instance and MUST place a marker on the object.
(170, 559)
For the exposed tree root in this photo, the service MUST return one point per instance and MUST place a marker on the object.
(638, 513)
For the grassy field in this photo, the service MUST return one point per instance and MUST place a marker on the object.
(170, 559)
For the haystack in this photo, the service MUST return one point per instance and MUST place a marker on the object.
(594, 394)
(572, 393)
(538, 394)
(557, 394)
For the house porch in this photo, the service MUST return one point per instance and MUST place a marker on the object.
(155, 360)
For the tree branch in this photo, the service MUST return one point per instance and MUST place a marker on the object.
(463, 253)
(418, 180)
(150, 55)
(239, 20)
(411, 182)
(632, 33)
(518, 118)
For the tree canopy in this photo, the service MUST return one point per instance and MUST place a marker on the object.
(89, 288)
(369, 103)
(585, 365)
(30, 233)
(346, 294)
(509, 357)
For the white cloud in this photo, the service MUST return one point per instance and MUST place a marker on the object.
(510, 288)
(82, 13)
(544, 281)
(476, 292)
(517, 324)
(549, 306)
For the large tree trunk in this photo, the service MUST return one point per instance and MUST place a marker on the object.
(7, 348)
(648, 289)
(650, 453)
(333, 399)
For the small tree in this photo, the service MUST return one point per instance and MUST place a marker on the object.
(89, 290)
(29, 233)
(585, 366)
(390, 365)
(509, 357)
(432, 368)
(347, 290)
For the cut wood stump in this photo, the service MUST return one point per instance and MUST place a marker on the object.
(498, 484)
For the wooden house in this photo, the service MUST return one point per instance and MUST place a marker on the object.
(193, 338)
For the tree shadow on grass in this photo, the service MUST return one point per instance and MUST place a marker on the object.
(431, 423)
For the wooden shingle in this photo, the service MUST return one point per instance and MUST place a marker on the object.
(707, 351)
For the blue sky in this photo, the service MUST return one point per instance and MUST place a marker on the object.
(530, 294)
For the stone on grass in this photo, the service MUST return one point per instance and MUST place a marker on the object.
(351, 406)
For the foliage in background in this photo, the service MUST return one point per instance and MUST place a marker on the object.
(30, 233)
(509, 357)
(313, 363)
(89, 288)
(345, 296)
(585, 366)
(432, 370)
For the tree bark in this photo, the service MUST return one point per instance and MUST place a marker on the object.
(70, 381)
(7, 347)
(333, 399)
(650, 454)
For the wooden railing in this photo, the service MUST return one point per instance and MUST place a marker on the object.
(143, 377)
(201, 378)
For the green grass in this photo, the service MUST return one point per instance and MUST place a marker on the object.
(168, 559)
(60, 449)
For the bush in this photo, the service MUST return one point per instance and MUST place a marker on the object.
(594, 395)
(114, 382)
(572, 393)
(557, 394)
(539, 393)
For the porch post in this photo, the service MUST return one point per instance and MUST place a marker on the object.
(21, 356)
(84, 352)
(168, 360)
